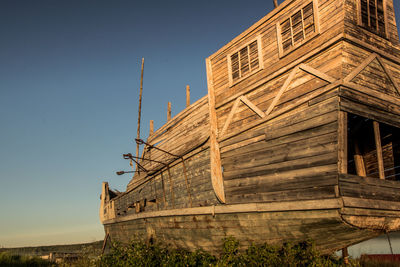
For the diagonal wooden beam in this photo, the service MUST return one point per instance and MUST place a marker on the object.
(289, 79)
(283, 89)
(230, 116)
(317, 73)
(251, 106)
(362, 66)
(389, 74)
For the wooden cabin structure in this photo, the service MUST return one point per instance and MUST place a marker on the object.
(298, 138)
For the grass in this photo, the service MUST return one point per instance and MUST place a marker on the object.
(7, 259)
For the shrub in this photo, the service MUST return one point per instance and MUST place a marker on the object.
(141, 254)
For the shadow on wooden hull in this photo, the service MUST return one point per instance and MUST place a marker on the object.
(206, 227)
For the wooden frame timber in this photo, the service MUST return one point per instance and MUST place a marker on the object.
(368, 61)
(333, 203)
(265, 115)
(305, 33)
(260, 65)
(215, 157)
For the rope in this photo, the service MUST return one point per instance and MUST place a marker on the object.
(390, 243)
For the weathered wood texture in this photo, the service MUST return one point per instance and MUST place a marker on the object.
(297, 158)
(370, 202)
(169, 188)
(325, 227)
(369, 188)
(379, 75)
(283, 91)
(181, 134)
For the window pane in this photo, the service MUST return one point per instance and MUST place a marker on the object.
(235, 66)
(299, 26)
(364, 13)
(253, 55)
(308, 10)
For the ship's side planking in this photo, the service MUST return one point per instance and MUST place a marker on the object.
(297, 138)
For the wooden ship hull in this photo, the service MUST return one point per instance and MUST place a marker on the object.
(298, 138)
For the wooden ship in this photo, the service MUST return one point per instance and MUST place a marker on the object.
(298, 138)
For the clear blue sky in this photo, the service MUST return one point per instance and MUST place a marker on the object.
(69, 79)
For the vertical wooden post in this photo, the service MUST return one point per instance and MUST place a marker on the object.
(217, 179)
(345, 255)
(151, 127)
(140, 111)
(342, 142)
(169, 112)
(276, 3)
(379, 155)
(187, 95)
(359, 160)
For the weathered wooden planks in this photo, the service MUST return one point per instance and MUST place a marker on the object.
(368, 188)
(297, 152)
(207, 231)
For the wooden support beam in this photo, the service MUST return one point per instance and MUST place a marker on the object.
(230, 116)
(359, 160)
(235, 106)
(251, 106)
(169, 112)
(105, 243)
(282, 90)
(151, 127)
(275, 3)
(362, 66)
(342, 142)
(345, 256)
(187, 95)
(379, 155)
(389, 74)
(317, 73)
(217, 179)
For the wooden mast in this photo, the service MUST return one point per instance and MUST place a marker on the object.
(140, 111)
(276, 3)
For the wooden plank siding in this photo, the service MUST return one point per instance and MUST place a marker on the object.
(183, 133)
(297, 159)
(172, 192)
(207, 231)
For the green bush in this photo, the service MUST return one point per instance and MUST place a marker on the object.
(141, 254)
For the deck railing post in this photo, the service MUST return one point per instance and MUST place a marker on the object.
(187, 95)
